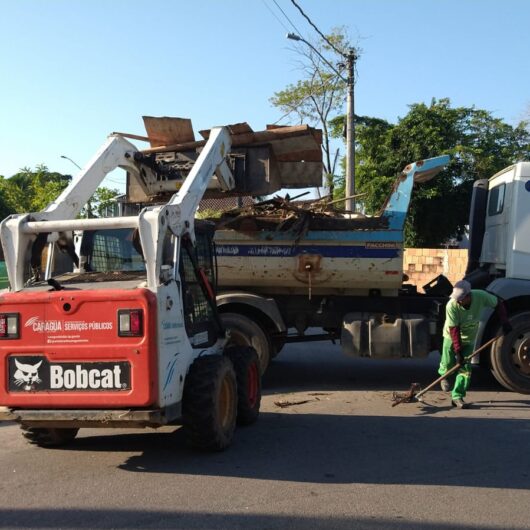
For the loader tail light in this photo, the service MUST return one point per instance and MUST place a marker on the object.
(130, 323)
(9, 326)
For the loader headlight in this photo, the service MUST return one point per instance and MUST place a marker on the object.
(9, 326)
(130, 322)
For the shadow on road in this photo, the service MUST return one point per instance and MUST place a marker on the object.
(122, 519)
(298, 445)
(299, 368)
(343, 449)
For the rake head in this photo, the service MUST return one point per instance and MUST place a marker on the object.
(407, 397)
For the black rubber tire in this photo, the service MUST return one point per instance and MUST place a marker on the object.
(245, 332)
(209, 403)
(44, 437)
(246, 365)
(510, 355)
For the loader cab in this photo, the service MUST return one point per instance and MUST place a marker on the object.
(115, 255)
(115, 250)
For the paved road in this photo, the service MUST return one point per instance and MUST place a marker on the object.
(341, 458)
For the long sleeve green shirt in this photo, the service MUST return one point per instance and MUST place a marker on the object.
(467, 319)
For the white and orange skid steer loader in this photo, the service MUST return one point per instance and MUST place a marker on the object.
(130, 337)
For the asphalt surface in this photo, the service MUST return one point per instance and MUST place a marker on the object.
(328, 451)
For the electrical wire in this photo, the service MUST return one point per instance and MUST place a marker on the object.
(316, 29)
(120, 182)
(288, 19)
(275, 16)
(299, 33)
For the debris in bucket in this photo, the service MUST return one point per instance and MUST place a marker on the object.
(280, 214)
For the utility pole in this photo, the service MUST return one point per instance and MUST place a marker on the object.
(349, 191)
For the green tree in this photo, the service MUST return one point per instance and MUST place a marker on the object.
(98, 205)
(320, 94)
(32, 190)
(478, 143)
(7, 207)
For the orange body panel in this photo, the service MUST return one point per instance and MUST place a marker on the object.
(85, 363)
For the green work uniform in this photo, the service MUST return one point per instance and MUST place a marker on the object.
(467, 320)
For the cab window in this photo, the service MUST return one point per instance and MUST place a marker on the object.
(496, 200)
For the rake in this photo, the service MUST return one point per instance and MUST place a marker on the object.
(414, 393)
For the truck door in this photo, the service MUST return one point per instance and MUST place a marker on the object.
(497, 219)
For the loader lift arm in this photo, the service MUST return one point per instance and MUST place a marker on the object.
(19, 231)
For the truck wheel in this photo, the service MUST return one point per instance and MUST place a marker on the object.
(510, 356)
(246, 365)
(245, 332)
(209, 405)
(48, 437)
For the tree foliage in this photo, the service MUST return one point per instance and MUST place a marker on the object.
(479, 145)
(320, 94)
(32, 190)
(97, 206)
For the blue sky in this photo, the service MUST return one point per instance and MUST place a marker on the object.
(73, 71)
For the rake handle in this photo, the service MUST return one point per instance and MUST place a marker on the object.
(456, 367)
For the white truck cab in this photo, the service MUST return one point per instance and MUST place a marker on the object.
(499, 261)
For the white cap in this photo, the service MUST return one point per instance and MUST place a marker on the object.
(460, 290)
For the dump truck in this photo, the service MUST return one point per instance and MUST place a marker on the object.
(291, 275)
(295, 275)
(130, 336)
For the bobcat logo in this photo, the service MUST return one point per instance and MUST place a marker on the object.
(27, 375)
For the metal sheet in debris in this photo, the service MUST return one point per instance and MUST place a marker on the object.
(305, 147)
(299, 173)
(168, 131)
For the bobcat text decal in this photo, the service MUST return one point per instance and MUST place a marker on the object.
(83, 378)
(31, 373)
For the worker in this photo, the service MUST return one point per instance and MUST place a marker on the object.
(462, 314)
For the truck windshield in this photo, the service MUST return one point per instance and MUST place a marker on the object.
(111, 250)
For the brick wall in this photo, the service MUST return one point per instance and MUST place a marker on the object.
(422, 265)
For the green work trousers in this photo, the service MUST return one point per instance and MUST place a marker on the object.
(463, 376)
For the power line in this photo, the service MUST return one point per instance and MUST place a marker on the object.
(275, 15)
(114, 181)
(289, 20)
(316, 29)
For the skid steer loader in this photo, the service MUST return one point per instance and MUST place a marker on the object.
(130, 337)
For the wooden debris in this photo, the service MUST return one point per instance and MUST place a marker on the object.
(284, 404)
(164, 131)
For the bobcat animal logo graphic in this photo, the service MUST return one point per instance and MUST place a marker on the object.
(27, 374)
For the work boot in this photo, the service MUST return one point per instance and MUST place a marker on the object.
(459, 403)
(445, 385)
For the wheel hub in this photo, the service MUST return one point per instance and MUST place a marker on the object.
(521, 353)
(226, 400)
